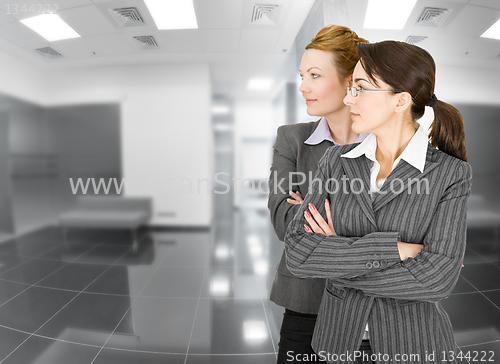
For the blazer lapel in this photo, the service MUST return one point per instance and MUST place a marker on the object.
(400, 178)
(319, 150)
(359, 168)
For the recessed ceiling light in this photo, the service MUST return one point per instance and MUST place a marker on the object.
(388, 14)
(260, 84)
(51, 27)
(493, 32)
(173, 14)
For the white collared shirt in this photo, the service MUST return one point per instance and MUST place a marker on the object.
(415, 154)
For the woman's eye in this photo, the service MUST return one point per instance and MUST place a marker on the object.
(314, 75)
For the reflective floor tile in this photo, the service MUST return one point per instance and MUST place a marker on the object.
(114, 280)
(33, 307)
(274, 315)
(34, 248)
(488, 249)
(189, 255)
(483, 276)
(9, 261)
(73, 276)
(10, 340)
(463, 287)
(10, 289)
(483, 353)
(9, 245)
(45, 351)
(471, 257)
(231, 359)
(32, 271)
(157, 324)
(494, 296)
(471, 314)
(182, 282)
(103, 254)
(66, 252)
(230, 282)
(230, 326)
(91, 313)
(112, 356)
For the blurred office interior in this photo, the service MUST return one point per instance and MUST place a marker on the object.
(186, 118)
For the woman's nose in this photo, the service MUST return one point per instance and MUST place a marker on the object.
(349, 99)
(302, 87)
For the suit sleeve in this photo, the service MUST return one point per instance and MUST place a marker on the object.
(430, 276)
(318, 256)
(433, 273)
(283, 176)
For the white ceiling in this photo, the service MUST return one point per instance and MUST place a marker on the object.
(235, 49)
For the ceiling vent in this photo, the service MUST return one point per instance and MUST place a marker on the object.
(415, 39)
(146, 42)
(128, 17)
(48, 52)
(433, 17)
(265, 14)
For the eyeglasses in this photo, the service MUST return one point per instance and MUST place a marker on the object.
(355, 91)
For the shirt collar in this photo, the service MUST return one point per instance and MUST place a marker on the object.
(415, 152)
(322, 132)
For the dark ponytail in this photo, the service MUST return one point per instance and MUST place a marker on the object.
(447, 130)
(406, 67)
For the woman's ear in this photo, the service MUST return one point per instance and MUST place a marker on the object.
(348, 81)
(404, 101)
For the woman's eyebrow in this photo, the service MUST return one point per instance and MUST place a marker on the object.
(360, 79)
(311, 68)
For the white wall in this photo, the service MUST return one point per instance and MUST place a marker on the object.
(255, 132)
(22, 80)
(166, 136)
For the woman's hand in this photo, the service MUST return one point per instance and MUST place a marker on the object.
(316, 221)
(297, 198)
(407, 250)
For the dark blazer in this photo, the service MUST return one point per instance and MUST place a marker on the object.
(292, 155)
(366, 280)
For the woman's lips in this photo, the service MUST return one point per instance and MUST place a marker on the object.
(309, 101)
(353, 115)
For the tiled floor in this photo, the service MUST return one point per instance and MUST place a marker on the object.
(195, 297)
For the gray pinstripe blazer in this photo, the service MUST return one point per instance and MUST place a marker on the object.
(292, 155)
(366, 280)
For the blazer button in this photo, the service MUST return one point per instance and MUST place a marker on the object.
(383, 263)
(376, 264)
(369, 265)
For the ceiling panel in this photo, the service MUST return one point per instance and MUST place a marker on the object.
(76, 48)
(488, 3)
(108, 45)
(258, 40)
(450, 45)
(20, 35)
(218, 14)
(66, 4)
(285, 41)
(181, 41)
(87, 21)
(473, 20)
(5, 19)
(486, 48)
(218, 40)
(21, 9)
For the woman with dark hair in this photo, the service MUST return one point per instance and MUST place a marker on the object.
(394, 237)
(326, 70)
